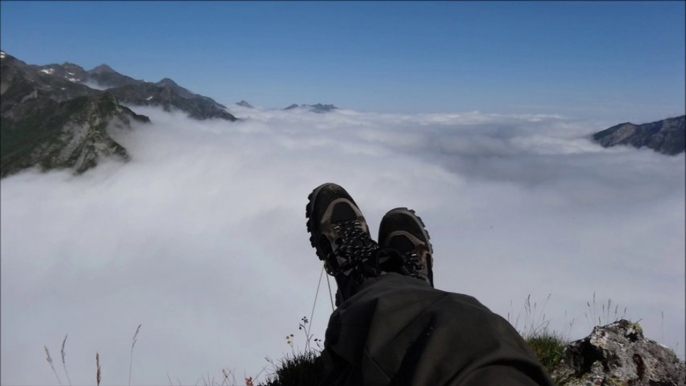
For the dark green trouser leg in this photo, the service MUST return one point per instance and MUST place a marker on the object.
(398, 330)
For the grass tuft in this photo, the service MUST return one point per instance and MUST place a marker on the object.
(304, 368)
(548, 347)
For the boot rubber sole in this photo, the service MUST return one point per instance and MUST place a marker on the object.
(308, 214)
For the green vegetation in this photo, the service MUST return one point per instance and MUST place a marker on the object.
(305, 368)
(548, 348)
(38, 135)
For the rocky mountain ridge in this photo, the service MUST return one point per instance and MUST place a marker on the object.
(667, 136)
(51, 118)
(317, 108)
(165, 93)
(70, 134)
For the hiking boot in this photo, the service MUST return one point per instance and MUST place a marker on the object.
(340, 235)
(402, 230)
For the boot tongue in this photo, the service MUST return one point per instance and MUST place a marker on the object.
(390, 260)
(343, 212)
(402, 244)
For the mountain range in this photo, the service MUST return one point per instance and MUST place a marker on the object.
(165, 93)
(56, 116)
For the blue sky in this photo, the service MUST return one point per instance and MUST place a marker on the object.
(619, 61)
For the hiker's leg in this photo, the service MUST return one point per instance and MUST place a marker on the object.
(399, 330)
(393, 328)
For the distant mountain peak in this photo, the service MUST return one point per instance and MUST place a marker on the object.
(244, 103)
(166, 82)
(318, 108)
(103, 68)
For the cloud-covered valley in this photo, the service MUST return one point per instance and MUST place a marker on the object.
(201, 237)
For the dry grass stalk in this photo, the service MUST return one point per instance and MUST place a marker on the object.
(133, 344)
(64, 363)
(49, 359)
(98, 374)
(606, 312)
(226, 377)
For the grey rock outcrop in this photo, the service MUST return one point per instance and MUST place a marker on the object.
(619, 354)
(667, 136)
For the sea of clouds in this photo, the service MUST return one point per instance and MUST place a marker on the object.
(201, 237)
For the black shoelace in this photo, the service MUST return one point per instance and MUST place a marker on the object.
(413, 265)
(354, 246)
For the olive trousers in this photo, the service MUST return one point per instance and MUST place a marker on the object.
(398, 330)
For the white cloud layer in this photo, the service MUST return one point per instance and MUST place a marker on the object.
(201, 237)
(94, 85)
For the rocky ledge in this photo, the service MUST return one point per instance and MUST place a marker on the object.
(619, 354)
